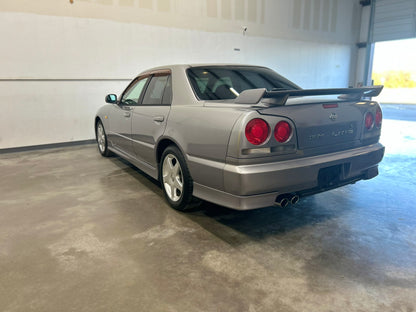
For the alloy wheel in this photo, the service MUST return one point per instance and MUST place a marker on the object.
(101, 139)
(172, 177)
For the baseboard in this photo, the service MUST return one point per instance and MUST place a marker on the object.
(44, 146)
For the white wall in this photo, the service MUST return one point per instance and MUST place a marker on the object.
(57, 65)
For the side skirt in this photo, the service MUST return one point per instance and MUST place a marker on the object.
(145, 167)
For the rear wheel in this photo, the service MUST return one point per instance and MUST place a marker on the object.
(102, 139)
(176, 181)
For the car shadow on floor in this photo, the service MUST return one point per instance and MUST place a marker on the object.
(138, 174)
(262, 223)
(235, 226)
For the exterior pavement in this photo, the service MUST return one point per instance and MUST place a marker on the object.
(79, 232)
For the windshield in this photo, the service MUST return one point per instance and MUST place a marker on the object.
(227, 82)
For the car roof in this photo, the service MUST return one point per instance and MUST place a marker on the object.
(185, 66)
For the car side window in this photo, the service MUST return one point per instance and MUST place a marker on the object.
(159, 91)
(167, 95)
(132, 94)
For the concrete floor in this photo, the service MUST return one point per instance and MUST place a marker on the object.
(79, 232)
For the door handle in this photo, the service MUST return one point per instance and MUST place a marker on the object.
(127, 114)
(159, 118)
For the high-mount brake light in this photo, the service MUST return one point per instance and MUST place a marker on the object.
(257, 131)
(282, 131)
(369, 120)
(330, 105)
(379, 117)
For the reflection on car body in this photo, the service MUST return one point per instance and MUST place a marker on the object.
(241, 136)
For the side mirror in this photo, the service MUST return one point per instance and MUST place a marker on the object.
(111, 99)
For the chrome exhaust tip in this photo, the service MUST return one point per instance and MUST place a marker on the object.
(285, 199)
(282, 201)
(294, 199)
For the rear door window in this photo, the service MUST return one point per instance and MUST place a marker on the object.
(159, 91)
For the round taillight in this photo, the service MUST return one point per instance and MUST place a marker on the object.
(379, 117)
(257, 131)
(282, 131)
(369, 120)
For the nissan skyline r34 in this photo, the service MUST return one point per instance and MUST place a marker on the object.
(241, 136)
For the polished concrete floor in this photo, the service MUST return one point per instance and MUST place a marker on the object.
(79, 232)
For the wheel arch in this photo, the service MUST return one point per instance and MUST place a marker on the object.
(97, 119)
(163, 144)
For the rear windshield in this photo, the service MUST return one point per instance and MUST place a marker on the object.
(226, 82)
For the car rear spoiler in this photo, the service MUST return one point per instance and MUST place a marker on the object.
(279, 98)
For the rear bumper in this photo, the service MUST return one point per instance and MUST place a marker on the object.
(256, 186)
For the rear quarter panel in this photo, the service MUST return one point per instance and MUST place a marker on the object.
(203, 134)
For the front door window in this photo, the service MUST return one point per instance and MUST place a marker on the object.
(132, 95)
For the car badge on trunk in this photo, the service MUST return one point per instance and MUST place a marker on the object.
(333, 116)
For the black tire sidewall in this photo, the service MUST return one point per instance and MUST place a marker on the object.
(186, 197)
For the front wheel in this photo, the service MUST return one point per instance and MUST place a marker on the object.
(102, 139)
(176, 181)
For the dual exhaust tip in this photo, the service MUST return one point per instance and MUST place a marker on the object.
(285, 199)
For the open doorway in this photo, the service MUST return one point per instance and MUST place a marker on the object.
(394, 66)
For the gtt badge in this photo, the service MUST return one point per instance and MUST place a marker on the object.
(333, 116)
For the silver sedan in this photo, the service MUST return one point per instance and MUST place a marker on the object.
(241, 136)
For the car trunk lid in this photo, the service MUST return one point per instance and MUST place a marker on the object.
(321, 122)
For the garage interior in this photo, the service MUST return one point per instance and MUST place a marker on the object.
(80, 232)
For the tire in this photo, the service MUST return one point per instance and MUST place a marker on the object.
(102, 141)
(175, 179)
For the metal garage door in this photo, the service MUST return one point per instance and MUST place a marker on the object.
(394, 19)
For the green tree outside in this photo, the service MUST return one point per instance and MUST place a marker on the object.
(395, 79)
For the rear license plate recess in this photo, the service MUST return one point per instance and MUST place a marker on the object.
(331, 176)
